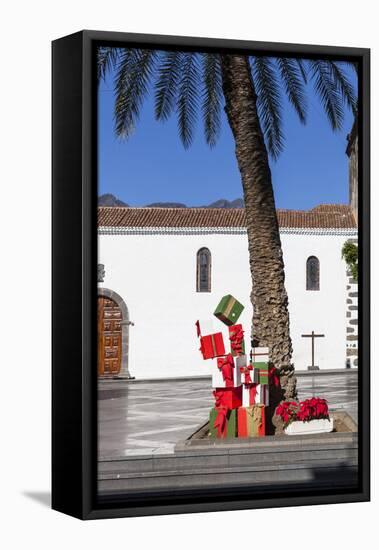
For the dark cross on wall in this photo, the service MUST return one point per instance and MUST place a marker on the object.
(313, 336)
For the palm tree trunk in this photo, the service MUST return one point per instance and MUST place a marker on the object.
(270, 326)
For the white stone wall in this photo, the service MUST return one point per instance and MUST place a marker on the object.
(155, 274)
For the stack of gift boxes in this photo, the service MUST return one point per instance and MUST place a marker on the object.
(240, 383)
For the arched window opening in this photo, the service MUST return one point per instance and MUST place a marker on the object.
(203, 270)
(313, 273)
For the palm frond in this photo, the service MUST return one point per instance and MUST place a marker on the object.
(121, 90)
(325, 88)
(294, 85)
(167, 84)
(106, 60)
(121, 83)
(211, 97)
(134, 73)
(302, 68)
(187, 100)
(353, 65)
(343, 85)
(269, 103)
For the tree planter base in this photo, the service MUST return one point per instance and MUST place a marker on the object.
(318, 426)
(271, 462)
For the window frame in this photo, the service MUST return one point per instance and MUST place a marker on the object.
(309, 285)
(201, 251)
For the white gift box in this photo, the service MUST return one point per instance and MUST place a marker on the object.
(218, 380)
(207, 327)
(241, 361)
(261, 396)
(264, 394)
(260, 350)
(254, 376)
(259, 355)
(246, 395)
(317, 426)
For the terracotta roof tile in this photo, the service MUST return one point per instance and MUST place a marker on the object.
(336, 216)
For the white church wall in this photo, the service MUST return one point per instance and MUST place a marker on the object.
(155, 274)
(324, 310)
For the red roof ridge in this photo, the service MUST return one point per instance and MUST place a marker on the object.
(322, 216)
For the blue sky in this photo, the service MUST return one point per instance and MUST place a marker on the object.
(152, 165)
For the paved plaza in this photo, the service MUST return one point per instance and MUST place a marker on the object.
(340, 390)
(149, 418)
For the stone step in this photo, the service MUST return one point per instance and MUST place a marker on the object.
(338, 473)
(231, 469)
(316, 460)
(224, 458)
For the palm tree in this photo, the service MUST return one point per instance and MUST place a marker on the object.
(251, 89)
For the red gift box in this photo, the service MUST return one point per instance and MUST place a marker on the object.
(251, 421)
(212, 345)
(242, 422)
(231, 398)
(237, 343)
(221, 421)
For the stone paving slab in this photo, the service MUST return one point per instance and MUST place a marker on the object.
(150, 418)
(115, 379)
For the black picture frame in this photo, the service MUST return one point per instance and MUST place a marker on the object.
(74, 386)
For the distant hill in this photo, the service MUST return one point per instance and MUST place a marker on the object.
(224, 203)
(166, 205)
(110, 200)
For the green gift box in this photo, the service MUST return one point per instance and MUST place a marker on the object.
(223, 422)
(262, 368)
(229, 310)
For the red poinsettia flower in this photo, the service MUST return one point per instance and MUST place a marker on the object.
(307, 410)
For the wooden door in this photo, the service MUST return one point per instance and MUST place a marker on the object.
(109, 319)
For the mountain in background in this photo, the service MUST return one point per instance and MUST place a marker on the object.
(166, 205)
(224, 203)
(110, 200)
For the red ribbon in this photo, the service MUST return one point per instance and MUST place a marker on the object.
(273, 376)
(253, 393)
(236, 339)
(218, 398)
(214, 347)
(246, 372)
(198, 331)
(221, 421)
(226, 366)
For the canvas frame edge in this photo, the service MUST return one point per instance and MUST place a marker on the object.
(74, 477)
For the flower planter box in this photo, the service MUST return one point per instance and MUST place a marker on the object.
(317, 426)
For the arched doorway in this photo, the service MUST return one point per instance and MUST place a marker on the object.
(112, 335)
